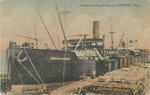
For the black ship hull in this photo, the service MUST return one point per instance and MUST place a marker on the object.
(32, 66)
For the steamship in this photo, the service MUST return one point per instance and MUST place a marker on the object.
(29, 65)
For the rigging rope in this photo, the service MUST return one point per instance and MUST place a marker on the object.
(5, 87)
(28, 71)
(15, 67)
(19, 74)
(64, 66)
(33, 66)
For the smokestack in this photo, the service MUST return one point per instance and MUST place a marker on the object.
(95, 29)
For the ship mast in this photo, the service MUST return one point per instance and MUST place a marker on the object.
(121, 39)
(35, 35)
(66, 45)
(112, 40)
(46, 29)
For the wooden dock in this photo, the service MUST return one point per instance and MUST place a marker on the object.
(73, 87)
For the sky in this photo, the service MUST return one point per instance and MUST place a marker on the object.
(20, 17)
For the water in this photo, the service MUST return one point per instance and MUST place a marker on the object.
(8, 93)
(3, 64)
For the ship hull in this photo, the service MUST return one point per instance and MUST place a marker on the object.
(32, 66)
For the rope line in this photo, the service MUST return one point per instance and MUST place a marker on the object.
(28, 72)
(33, 66)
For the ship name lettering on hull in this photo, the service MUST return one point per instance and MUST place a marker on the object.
(60, 58)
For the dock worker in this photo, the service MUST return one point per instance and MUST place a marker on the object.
(31, 45)
(25, 44)
(83, 76)
(93, 74)
(46, 46)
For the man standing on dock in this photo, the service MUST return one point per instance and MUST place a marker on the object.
(93, 74)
